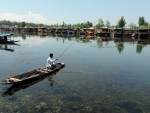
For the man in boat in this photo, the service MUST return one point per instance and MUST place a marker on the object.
(51, 62)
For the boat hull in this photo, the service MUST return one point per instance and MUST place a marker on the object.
(30, 75)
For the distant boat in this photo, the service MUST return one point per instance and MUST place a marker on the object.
(32, 75)
(6, 39)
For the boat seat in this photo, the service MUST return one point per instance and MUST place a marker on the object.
(13, 80)
(44, 70)
(33, 76)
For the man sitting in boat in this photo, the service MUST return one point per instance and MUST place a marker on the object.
(51, 62)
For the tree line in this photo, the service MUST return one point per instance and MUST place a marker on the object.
(121, 23)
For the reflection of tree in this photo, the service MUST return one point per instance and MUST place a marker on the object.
(82, 40)
(99, 43)
(63, 39)
(139, 48)
(107, 42)
(23, 36)
(120, 47)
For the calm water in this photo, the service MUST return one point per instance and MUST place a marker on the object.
(99, 77)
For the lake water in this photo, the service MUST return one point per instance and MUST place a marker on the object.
(99, 77)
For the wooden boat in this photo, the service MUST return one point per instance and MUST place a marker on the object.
(32, 75)
(14, 88)
(5, 40)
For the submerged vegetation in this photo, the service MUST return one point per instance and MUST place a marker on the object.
(91, 82)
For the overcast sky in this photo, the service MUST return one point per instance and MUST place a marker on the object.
(74, 11)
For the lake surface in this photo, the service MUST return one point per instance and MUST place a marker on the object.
(99, 77)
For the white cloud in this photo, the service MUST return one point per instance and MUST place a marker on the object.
(30, 17)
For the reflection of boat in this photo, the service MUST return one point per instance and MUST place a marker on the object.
(8, 47)
(14, 88)
(5, 39)
(32, 75)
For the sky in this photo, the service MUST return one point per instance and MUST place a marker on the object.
(74, 11)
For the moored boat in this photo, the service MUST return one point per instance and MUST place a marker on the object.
(32, 75)
(4, 38)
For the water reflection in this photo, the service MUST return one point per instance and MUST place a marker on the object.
(100, 80)
(8, 47)
(139, 48)
(23, 36)
(99, 43)
(82, 40)
(120, 47)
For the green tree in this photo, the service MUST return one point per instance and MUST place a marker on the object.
(146, 24)
(108, 24)
(141, 21)
(23, 24)
(121, 22)
(89, 24)
(132, 26)
(100, 24)
(63, 25)
(41, 25)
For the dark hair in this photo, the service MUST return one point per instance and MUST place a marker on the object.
(50, 54)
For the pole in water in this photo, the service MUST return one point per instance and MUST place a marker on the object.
(65, 50)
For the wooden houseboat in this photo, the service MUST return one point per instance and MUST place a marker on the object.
(53, 30)
(82, 32)
(35, 29)
(29, 30)
(77, 31)
(42, 30)
(118, 32)
(89, 31)
(104, 32)
(128, 33)
(58, 31)
(144, 33)
(67, 31)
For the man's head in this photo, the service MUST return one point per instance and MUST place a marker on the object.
(51, 55)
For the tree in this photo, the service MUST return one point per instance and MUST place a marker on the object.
(108, 24)
(141, 21)
(132, 26)
(41, 25)
(23, 24)
(100, 24)
(121, 22)
(89, 24)
(63, 25)
(146, 24)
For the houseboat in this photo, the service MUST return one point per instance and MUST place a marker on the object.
(89, 31)
(58, 31)
(53, 30)
(128, 33)
(118, 32)
(144, 33)
(103, 32)
(67, 31)
(42, 30)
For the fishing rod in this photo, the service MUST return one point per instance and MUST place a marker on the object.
(65, 50)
